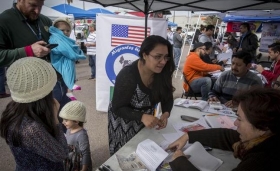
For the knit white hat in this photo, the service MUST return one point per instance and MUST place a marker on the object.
(63, 19)
(30, 79)
(74, 110)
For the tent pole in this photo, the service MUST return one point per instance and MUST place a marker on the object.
(198, 20)
(146, 16)
(184, 42)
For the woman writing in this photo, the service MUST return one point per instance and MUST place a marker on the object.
(256, 140)
(138, 88)
(29, 124)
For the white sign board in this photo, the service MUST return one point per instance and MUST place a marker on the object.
(118, 41)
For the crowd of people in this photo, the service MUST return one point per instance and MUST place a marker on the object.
(42, 124)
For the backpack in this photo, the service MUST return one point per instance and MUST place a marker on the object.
(73, 161)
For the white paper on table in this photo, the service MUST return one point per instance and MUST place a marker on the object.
(201, 159)
(225, 111)
(171, 137)
(131, 163)
(224, 56)
(151, 154)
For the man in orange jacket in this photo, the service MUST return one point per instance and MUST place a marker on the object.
(196, 71)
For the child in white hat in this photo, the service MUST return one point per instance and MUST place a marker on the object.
(64, 56)
(74, 117)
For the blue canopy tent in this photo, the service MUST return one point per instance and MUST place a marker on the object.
(95, 11)
(78, 13)
(171, 24)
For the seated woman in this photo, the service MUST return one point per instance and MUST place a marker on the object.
(138, 88)
(256, 140)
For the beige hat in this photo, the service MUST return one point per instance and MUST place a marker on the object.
(74, 110)
(30, 79)
(63, 19)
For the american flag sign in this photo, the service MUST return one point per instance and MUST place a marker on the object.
(125, 34)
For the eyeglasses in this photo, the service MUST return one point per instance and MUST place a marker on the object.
(275, 83)
(160, 57)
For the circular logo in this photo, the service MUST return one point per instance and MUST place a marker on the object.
(126, 55)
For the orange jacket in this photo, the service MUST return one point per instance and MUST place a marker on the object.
(195, 68)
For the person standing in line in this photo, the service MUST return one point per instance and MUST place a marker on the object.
(3, 93)
(24, 32)
(64, 56)
(207, 36)
(248, 41)
(74, 117)
(29, 124)
(177, 45)
(91, 50)
(170, 35)
(139, 87)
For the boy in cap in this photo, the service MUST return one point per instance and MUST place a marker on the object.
(64, 56)
(74, 117)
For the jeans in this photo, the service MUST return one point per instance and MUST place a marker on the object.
(2, 80)
(202, 85)
(59, 93)
(177, 54)
(92, 64)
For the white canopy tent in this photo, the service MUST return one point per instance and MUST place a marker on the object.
(47, 11)
(53, 14)
(221, 6)
(191, 5)
(148, 6)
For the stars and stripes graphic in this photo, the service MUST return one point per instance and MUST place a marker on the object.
(125, 34)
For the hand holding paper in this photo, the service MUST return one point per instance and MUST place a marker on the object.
(179, 143)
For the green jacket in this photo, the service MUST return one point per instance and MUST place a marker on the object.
(15, 34)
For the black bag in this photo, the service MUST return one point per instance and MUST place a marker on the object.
(83, 47)
(73, 161)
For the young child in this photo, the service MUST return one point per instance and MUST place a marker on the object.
(73, 115)
(64, 56)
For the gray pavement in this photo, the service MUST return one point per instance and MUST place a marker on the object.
(96, 121)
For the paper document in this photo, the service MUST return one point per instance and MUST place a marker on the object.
(218, 121)
(148, 157)
(201, 159)
(150, 154)
(224, 56)
(131, 163)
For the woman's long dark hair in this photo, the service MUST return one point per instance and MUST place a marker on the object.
(162, 82)
(41, 111)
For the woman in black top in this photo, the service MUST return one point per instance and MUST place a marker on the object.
(138, 88)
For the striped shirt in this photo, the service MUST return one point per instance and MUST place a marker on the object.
(228, 84)
(91, 50)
